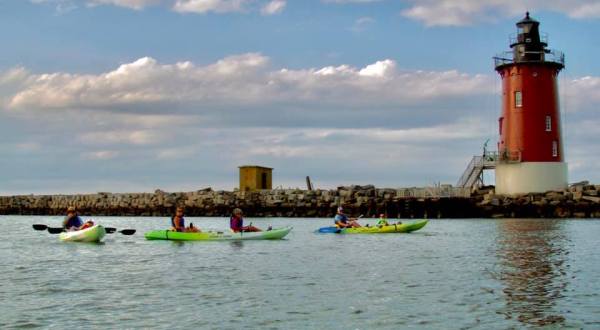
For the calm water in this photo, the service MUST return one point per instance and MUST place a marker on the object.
(452, 274)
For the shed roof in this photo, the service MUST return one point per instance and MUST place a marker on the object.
(255, 166)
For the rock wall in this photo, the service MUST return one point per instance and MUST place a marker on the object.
(579, 201)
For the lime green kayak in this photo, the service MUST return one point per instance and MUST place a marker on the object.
(401, 228)
(278, 233)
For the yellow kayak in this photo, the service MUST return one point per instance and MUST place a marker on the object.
(394, 228)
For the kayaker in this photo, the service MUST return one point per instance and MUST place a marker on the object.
(342, 221)
(178, 223)
(236, 223)
(382, 220)
(72, 221)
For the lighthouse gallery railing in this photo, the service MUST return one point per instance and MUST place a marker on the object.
(552, 56)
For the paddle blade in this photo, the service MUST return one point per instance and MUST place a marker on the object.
(39, 227)
(55, 230)
(127, 231)
(110, 230)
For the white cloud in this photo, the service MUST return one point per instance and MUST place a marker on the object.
(270, 7)
(63, 6)
(586, 10)
(273, 7)
(580, 93)
(133, 4)
(135, 137)
(235, 81)
(205, 6)
(100, 155)
(350, 1)
(176, 153)
(379, 69)
(467, 12)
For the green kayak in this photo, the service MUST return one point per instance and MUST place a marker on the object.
(277, 233)
(401, 228)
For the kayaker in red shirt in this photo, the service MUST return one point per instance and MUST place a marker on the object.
(236, 223)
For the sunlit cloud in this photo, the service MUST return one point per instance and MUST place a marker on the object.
(468, 12)
(273, 7)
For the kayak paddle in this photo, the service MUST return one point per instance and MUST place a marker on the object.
(51, 230)
(39, 227)
(55, 230)
(58, 230)
(111, 230)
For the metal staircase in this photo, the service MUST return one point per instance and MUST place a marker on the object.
(473, 174)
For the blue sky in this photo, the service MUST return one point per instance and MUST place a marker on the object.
(134, 95)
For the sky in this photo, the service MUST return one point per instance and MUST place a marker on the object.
(138, 95)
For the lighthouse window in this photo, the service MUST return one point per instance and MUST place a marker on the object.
(554, 149)
(518, 99)
(548, 124)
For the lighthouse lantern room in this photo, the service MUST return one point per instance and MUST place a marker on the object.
(530, 149)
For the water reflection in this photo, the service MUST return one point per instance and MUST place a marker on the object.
(532, 269)
(237, 245)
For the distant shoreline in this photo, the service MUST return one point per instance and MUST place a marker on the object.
(580, 201)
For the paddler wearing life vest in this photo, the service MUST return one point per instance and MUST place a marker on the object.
(178, 223)
(382, 220)
(341, 220)
(236, 222)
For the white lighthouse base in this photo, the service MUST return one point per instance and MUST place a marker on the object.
(522, 178)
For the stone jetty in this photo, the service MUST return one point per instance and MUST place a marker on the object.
(579, 201)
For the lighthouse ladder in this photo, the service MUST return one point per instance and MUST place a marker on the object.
(473, 174)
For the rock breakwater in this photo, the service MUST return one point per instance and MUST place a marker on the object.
(581, 201)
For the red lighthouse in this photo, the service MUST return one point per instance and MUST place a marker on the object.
(530, 149)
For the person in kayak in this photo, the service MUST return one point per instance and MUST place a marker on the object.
(72, 221)
(342, 221)
(236, 223)
(382, 220)
(178, 223)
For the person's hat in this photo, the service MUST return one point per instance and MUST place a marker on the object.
(340, 209)
(71, 209)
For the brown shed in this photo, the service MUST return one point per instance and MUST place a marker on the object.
(255, 178)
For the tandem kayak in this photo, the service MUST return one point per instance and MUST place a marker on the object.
(170, 235)
(91, 234)
(401, 228)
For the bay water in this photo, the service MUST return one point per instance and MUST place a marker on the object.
(452, 274)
